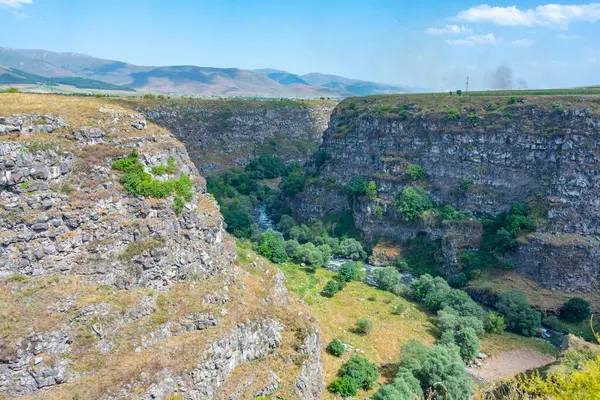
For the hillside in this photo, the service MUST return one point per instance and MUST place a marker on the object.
(187, 80)
(118, 279)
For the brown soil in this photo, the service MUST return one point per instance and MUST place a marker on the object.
(511, 363)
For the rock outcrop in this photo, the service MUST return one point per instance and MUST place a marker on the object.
(480, 154)
(219, 134)
(105, 295)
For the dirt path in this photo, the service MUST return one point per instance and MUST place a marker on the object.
(511, 363)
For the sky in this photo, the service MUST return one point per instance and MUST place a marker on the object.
(431, 44)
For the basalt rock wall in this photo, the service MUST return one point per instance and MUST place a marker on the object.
(480, 155)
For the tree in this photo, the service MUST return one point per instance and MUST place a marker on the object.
(414, 172)
(345, 386)
(459, 92)
(285, 224)
(494, 323)
(290, 247)
(387, 392)
(352, 249)
(351, 271)
(371, 190)
(361, 371)
(336, 348)
(357, 186)
(311, 255)
(12, 90)
(432, 366)
(293, 183)
(364, 326)
(413, 201)
(575, 309)
(272, 246)
(468, 342)
(519, 316)
(387, 278)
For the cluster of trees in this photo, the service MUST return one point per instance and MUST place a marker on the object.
(356, 373)
(436, 372)
(349, 271)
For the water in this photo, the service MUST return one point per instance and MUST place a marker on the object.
(369, 270)
(263, 219)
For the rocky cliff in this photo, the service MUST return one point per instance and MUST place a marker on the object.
(105, 295)
(480, 154)
(219, 134)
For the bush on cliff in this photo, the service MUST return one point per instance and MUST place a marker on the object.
(415, 172)
(412, 202)
(357, 186)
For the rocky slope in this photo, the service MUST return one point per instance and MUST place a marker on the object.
(219, 134)
(481, 154)
(104, 295)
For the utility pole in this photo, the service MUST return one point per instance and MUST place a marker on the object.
(467, 86)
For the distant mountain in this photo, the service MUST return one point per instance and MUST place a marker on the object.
(12, 76)
(181, 79)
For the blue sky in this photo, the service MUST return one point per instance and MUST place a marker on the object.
(433, 44)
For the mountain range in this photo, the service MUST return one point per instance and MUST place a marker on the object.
(41, 67)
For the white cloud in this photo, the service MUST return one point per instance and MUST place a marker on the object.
(449, 30)
(475, 40)
(523, 42)
(14, 3)
(20, 15)
(551, 15)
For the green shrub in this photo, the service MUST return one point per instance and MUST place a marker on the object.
(336, 348)
(357, 186)
(149, 96)
(472, 118)
(387, 278)
(514, 100)
(363, 326)
(140, 183)
(312, 255)
(361, 371)
(552, 321)
(413, 201)
(371, 190)
(345, 386)
(414, 172)
(378, 212)
(575, 309)
(330, 289)
(178, 205)
(290, 247)
(453, 114)
(351, 271)
(459, 92)
(519, 316)
(398, 309)
(272, 246)
(294, 182)
(12, 90)
(494, 323)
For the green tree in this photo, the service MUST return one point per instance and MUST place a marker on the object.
(330, 289)
(519, 316)
(364, 326)
(336, 348)
(12, 90)
(272, 246)
(352, 249)
(351, 271)
(371, 190)
(361, 371)
(290, 247)
(459, 92)
(468, 342)
(415, 172)
(575, 309)
(387, 278)
(293, 183)
(357, 186)
(378, 212)
(413, 201)
(345, 386)
(494, 323)
(286, 223)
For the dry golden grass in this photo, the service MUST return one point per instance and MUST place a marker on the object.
(543, 299)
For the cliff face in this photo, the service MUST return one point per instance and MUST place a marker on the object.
(481, 155)
(107, 295)
(219, 134)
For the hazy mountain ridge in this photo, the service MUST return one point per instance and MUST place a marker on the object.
(188, 79)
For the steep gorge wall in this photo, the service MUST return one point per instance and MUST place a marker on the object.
(219, 134)
(543, 151)
(105, 295)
